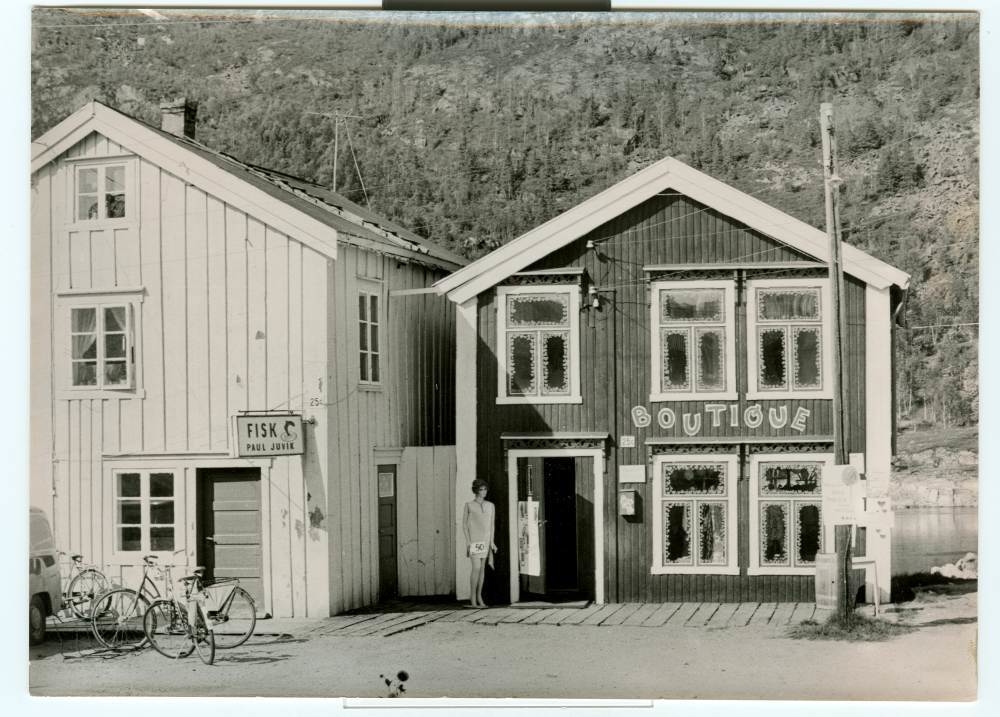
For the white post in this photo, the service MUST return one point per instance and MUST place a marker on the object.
(466, 344)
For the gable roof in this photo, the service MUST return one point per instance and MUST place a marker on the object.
(304, 210)
(670, 173)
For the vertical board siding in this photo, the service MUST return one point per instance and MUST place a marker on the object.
(175, 319)
(615, 368)
(151, 312)
(218, 305)
(425, 504)
(196, 256)
(237, 316)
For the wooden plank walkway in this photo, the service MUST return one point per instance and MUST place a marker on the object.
(694, 615)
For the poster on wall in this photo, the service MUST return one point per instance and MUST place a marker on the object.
(528, 560)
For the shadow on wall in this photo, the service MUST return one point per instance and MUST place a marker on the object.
(315, 492)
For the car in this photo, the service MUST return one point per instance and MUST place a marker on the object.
(44, 578)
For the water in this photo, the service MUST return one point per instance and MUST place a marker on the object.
(928, 537)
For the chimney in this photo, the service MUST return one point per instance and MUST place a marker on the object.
(178, 117)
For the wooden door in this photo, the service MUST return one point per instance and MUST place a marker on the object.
(585, 521)
(531, 486)
(229, 527)
(388, 566)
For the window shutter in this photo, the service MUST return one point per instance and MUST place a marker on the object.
(130, 346)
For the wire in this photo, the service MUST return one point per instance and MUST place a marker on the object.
(356, 167)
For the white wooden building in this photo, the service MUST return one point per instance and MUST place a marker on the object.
(174, 288)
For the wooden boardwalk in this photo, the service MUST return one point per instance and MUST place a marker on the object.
(398, 617)
(705, 616)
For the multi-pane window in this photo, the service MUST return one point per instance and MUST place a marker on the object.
(695, 515)
(100, 346)
(786, 509)
(368, 333)
(537, 335)
(693, 340)
(788, 339)
(100, 192)
(145, 517)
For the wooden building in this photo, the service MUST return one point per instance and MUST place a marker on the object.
(176, 293)
(652, 375)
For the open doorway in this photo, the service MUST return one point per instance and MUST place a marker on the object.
(555, 528)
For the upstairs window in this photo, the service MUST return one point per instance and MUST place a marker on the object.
(100, 192)
(537, 344)
(694, 516)
(101, 346)
(789, 343)
(693, 341)
(368, 334)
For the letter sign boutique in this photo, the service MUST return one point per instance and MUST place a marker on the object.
(269, 435)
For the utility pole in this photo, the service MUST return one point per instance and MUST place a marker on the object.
(337, 117)
(831, 183)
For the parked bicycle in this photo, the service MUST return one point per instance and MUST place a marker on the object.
(116, 615)
(87, 583)
(179, 625)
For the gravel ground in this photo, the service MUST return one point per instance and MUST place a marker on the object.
(458, 659)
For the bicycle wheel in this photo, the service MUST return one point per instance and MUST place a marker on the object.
(166, 627)
(204, 640)
(116, 619)
(83, 589)
(235, 620)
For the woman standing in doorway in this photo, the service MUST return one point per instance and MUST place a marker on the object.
(478, 524)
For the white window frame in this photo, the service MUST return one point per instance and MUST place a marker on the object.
(732, 524)
(755, 567)
(101, 165)
(826, 334)
(131, 299)
(657, 394)
(366, 325)
(574, 343)
(144, 521)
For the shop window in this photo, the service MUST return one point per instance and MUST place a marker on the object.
(368, 334)
(145, 516)
(786, 514)
(537, 344)
(789, 349)
(101, 346)
(694, 516)
(693, 341)
(100, 192)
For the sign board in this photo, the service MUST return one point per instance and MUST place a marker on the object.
(632, 474)
(269, 435)
(528, 556)
(626, 442)
(841, 489)
(386, 485)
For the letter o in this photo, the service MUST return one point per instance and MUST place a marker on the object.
(666, 418)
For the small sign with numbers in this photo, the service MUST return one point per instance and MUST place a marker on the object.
(626, 442)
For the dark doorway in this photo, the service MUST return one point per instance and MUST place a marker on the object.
(387, 566)
(229, 544)
(563, 489)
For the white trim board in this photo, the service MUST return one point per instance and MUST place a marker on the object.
(668, 173)
(598, 465)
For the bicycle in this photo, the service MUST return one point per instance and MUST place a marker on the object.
(87, 583)
(116, 615)
(176, 627)
(232, 611)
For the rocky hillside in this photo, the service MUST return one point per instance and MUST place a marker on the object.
(936, 468)
(472, 131)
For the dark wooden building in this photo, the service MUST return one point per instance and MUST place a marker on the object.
(650, 371)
